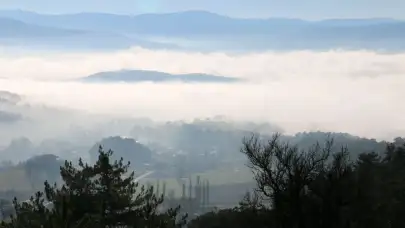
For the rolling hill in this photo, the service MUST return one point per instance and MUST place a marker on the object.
(15, 32)
(11, 28)
(133, 76)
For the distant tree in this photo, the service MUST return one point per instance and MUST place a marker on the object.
(42, 167)
(130, 149)
(355, 144)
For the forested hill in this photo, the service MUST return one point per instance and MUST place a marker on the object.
(133, 76)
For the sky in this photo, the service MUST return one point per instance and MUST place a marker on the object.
(308, 9)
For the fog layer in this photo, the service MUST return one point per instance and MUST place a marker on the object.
(358, 92)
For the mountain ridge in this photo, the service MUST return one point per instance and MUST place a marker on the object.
(9, 12)
(134, 76)
(188, 23)
(226, 32)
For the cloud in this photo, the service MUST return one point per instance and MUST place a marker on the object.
(350, 91)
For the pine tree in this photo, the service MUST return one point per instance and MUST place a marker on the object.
(95, 196)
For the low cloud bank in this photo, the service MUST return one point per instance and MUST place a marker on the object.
(350, 91)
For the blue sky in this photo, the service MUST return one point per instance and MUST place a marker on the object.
(306, 9)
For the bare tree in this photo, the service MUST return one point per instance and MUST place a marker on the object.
(283, 174)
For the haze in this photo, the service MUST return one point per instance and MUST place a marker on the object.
(344, 91)
(177, 88)
(310, 9)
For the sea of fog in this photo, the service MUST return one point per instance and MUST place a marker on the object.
(358, 92)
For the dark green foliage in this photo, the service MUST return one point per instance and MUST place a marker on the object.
(94, 196)
(318, 188)
(249, 214)
(234, 218)
(324, 186)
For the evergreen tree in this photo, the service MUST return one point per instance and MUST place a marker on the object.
(102, 195)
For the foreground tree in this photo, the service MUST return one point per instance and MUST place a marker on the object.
(102, 195)
(318, 188)
(284, 175)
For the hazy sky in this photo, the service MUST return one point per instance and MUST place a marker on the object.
(308, 9)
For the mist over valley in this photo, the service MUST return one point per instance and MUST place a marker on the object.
(180, 94)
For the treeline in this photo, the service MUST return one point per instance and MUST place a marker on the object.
(322, 187)
(224, 137)
(318, 188)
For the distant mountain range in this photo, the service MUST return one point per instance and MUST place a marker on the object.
(22, 33)
(133, 76)
(143, 30)
(14, 28)
(189, 23)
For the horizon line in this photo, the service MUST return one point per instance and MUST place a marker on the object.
(198, 11)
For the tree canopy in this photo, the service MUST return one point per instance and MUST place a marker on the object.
(318, 188)
(94, 196)
(128, 148)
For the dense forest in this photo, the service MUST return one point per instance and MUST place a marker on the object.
(322, 186)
